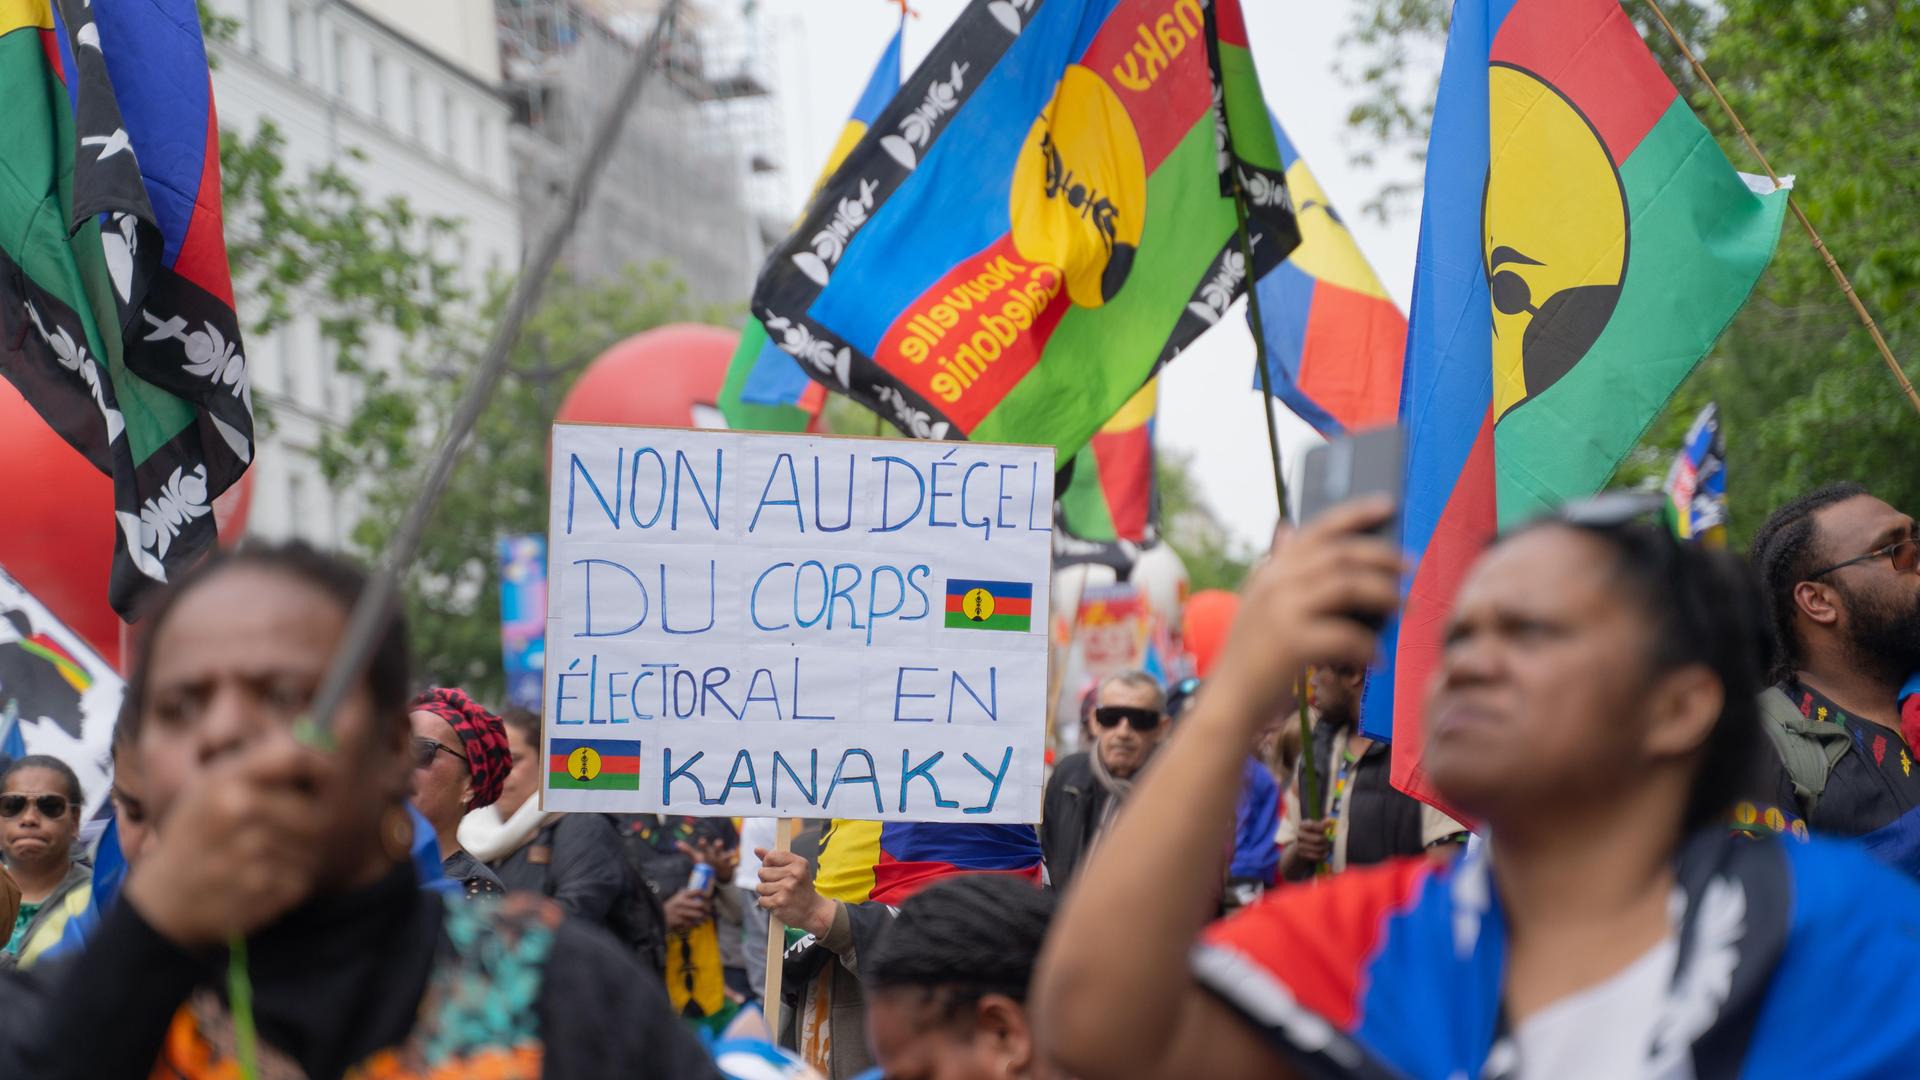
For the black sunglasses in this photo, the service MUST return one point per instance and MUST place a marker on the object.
(1903, 554)
(424, 749)
(1143, 720)
(50, 806)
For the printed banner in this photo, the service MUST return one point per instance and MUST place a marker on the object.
(1113, 629)
(523, 617)
(756, 625)
(57, 696)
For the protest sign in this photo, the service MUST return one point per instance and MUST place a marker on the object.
(57, 696)
(523, 617)
(1113, 629)
(772, 625)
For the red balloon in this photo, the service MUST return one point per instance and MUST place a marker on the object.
(669, 376)
(1204, 626)
(59, 538)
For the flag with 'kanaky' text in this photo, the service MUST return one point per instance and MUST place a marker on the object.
(1039, 219)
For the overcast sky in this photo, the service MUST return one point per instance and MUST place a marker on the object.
(825, 50)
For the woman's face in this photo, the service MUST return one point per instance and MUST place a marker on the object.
(1542, 692)
(30, 837)
(524, 777)
(241, 656)
(443, 787)
(913, 1040)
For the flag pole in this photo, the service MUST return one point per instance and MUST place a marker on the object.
(370, 612)
(1833, 266)
(1309, 782)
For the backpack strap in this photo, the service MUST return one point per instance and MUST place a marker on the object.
(1808, 748)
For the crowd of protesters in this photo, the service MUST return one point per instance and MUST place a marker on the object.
(1685, 800)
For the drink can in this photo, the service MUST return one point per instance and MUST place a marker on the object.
(702, 878)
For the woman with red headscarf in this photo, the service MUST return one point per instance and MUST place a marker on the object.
(460, 763)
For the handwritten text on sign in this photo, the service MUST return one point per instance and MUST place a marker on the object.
(756, 625)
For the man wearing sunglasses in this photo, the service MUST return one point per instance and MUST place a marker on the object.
(1842, 574)
(1087, 788)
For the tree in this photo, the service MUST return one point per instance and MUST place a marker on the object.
(1831, 91)
(500, 486)
(1213, 558)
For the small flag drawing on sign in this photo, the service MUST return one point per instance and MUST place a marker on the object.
(593, 764)
(989, 605)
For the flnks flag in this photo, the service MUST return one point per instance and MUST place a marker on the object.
(116, 309)
(57, 696)
(1037, 221)
(1582, 243)
(1697, 483)
(1335, 340)
(890, 861)
(1109, 510)
(765, 389)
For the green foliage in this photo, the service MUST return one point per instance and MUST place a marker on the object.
(1188, 524)
(1831, 92)
(500, 487)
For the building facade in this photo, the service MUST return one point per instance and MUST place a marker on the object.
(414, 87)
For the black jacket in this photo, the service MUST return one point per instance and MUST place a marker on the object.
(1070, 811)
(576, 860)
(334, 982)
(1382, 822)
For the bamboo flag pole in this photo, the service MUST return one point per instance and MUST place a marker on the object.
(1833, 266)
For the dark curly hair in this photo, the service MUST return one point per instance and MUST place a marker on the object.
(389, 669)
(961, 939)
(1704, 606)
(1785, 550)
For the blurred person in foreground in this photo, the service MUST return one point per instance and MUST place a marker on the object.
(1362, 819)
(40, 802)
(306, 853)
(573, 858)
(947, 982)
(1842, 576)
(460, 763)
(1594, 704)
(1088, 787)
(1255, 861)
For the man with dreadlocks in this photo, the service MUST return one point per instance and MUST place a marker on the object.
(1842, 575)
(947, 981)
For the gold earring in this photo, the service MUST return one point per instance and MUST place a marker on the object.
(396, 833)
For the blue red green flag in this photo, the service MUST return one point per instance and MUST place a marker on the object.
(593, 764)
(116, 306)
(1039, 219)
(1583, 242)
(1335, 340)
(974, 604)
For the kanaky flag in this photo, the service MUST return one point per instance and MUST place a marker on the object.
(1335, 341)
(1039, 219)
(1109, 509)
(765, 389)
(1582, 244)
(890, 861)
(116, 307)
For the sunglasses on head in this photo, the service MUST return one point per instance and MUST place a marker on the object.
(1143, 720)
(50, 806)
(424, 749)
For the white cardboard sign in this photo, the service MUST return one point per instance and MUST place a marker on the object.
(758, 625)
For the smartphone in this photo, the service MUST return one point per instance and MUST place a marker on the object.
(1367, 462)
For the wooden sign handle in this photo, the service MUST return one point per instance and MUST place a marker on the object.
(777, 938)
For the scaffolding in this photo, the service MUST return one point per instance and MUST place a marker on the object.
(687, 180)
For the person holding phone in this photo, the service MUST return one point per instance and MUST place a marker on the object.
(1594, 704)
(1087, 788)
